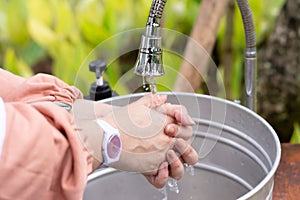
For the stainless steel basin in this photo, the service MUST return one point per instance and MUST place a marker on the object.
(239, 154)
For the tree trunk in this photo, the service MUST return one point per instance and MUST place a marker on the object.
(204, 33)
(227, 52)
(279, 73)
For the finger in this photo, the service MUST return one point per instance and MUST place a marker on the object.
(176, 167)
(188, 154)
(178, 112)
(152, 100)
(171, 130)
(175, 130)
(161, 178)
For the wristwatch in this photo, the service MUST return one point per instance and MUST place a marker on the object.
(111, 144)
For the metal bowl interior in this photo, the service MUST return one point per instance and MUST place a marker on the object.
(239, 153)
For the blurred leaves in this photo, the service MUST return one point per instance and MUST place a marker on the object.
(296, 135)
(40, 10)
(41, 33)
(16, 65)
(16, 22)
(68, 30)
(90, 16)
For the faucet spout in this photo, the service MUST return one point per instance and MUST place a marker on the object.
(149, 62)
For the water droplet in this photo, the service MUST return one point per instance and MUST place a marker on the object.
(173, 186)
(146, 86)
(164, 192)
(149, 84)
(190, 169)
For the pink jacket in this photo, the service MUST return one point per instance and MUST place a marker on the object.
(42, 156)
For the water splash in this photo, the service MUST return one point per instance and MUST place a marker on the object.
(164, 192)
(189, 169)
(173, 185)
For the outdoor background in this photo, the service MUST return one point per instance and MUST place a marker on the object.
(55, 37)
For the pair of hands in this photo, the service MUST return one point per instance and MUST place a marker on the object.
(155, 137)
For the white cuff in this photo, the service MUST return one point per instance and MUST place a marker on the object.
(2, 124)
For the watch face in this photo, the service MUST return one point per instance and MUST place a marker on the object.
(113, 147)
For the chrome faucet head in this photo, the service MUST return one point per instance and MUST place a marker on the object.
(149, 61)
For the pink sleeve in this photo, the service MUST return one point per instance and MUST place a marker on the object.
(41, 87)
(10, 83)
(42, 155)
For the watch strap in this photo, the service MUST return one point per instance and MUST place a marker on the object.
(111, 144)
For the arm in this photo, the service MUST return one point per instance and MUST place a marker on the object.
(11, 82)
(42, 158)
(84, 136)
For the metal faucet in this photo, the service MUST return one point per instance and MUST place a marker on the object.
(149, 62)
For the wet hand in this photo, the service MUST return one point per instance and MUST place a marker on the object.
(181, 128)
(142, 133)
(182, 153)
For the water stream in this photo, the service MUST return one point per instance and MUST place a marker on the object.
(172, 184)
(149, 85)
(164, 192)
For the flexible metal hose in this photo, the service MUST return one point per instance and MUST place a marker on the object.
(250, 54)
(156, 11)
(248, 23)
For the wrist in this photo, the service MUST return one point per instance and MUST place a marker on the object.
(91, 137)
(83, 109)
(111, 143)
(86, 109)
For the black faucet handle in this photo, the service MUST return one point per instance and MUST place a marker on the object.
(97, 66)
(99, 89)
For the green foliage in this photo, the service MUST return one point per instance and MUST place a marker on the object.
(16, 65)
(296, 135)
(68, 30)
(181, 15)
(15, 23)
